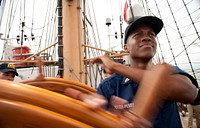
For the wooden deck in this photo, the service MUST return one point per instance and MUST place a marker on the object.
(184, 120)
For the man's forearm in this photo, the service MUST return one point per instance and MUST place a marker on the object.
(134, 74)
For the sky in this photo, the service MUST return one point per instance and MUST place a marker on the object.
(109, 8)
(102, 9)
(35, 20)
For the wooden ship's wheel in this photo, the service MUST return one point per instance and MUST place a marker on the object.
(16, 114)
(43, 103)
(40, 103)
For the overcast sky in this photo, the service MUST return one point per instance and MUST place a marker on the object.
(103, 9)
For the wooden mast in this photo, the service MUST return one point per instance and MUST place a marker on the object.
(72, 40)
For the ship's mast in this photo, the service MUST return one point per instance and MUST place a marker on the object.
(72, 40)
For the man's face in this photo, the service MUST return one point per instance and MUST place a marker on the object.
(141, 43)
(7, 76)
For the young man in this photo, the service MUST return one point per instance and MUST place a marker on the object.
(8, 71)
(140, 42)
(147, 90)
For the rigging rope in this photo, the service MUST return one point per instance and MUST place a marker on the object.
(171, 49)
(178, 29)
(181, 31)
(33, 16)
(94, 23)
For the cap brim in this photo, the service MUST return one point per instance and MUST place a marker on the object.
(155, 23)
(10, 70)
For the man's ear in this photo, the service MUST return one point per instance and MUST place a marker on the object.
(125, 48)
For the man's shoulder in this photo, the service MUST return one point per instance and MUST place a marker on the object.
(112, 80)
(182, 72)
(114, 77)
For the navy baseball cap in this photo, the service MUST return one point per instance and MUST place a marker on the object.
(7, 67)
(155, 23)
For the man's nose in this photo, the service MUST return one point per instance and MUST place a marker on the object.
(146, 37)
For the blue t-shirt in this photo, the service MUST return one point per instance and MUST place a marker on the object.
(117, 85)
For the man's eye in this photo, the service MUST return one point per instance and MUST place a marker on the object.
(153, 34)
(5, 74)
(136, 34)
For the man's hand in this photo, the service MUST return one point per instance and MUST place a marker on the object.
(105, 62)
(93, 100)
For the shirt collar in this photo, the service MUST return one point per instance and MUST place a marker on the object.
(126, 80)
